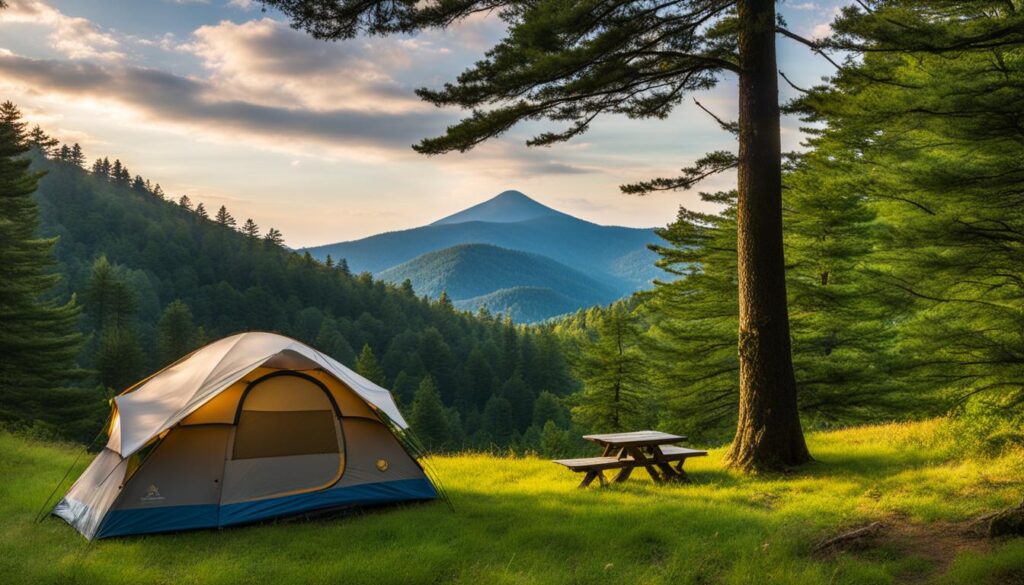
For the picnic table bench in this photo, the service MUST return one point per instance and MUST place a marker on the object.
(652, 450)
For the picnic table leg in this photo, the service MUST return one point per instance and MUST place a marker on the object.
(591, 476)
(667, 472)
(641, 459)
(680, 474)
(623, 474)
(587, 479)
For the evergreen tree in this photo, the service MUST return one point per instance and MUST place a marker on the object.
(119, 358)
(224, 218)
(249, 228)
(444, 301)
(64, 154)
(428, 418)
(105, 168)
(109, 300)
(926, 128)
(368, 367)
(613, 372)
(274, 237)
(521, 398)
(39, 339)
(344, 269)
(138, 184)
(693, 321)
(116, 171)
(43, 141)
(480, 379)
(329, 262)
(554, 441)
(97, 169)
(201, 211)
(185, 202)
(330, 340)
(77, 157)
(177, 333)
(158, 192)
(547, 409)
(111, 305)
(498, 423)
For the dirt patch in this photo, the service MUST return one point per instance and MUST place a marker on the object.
(936, 544)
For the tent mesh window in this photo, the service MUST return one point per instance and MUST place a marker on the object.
(283, 434)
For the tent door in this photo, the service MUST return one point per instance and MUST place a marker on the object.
(287, 440)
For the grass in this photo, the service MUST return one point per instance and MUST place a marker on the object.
(521, 520)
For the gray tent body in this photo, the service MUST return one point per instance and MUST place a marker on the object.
(251, 427)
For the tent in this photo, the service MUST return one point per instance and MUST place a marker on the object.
(250, 427)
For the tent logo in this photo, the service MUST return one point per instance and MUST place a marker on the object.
(152, 494)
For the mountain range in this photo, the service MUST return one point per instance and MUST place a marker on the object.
(510, 254)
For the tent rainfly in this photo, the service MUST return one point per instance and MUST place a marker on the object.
(250, 427)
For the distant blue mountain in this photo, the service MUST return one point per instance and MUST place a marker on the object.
(615, 257)
(505, 207)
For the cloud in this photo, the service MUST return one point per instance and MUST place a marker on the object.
(166, 98)
(824, 29)
(74, 37)
(243, 4)
(264, 84)
(266, 61)
(802, 6)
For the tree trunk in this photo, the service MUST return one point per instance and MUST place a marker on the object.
(768, 432)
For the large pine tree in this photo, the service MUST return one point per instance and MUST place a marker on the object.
(39, 339)
(572, 62)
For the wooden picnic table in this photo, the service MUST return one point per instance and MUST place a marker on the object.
(653, 450)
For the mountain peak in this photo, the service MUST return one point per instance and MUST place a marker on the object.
(505, 207)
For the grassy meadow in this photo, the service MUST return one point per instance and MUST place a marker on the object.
(522, 520)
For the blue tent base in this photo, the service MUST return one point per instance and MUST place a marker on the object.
(175, 518)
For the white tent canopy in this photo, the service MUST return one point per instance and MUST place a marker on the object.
(164, 399)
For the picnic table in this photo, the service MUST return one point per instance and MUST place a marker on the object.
(653, 450)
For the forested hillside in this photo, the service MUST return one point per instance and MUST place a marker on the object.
(157, 278)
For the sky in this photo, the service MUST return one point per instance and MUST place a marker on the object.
(223, 101)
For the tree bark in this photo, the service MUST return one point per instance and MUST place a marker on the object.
(768, 432)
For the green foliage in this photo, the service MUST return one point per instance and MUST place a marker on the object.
(927, 131)
(554, 441)
(615, 396)
(119, 359)
(177, 333)
(693, 321)
(367, 366)
(498, 421)
(39, 340)
(428, 418)
(547, 409)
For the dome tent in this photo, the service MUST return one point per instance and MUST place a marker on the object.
(250, 427)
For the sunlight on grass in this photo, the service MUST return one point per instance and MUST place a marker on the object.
(522, 520)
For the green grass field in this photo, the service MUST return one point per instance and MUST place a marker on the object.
(522, 520)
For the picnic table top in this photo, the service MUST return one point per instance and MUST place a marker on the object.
(635, 438)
